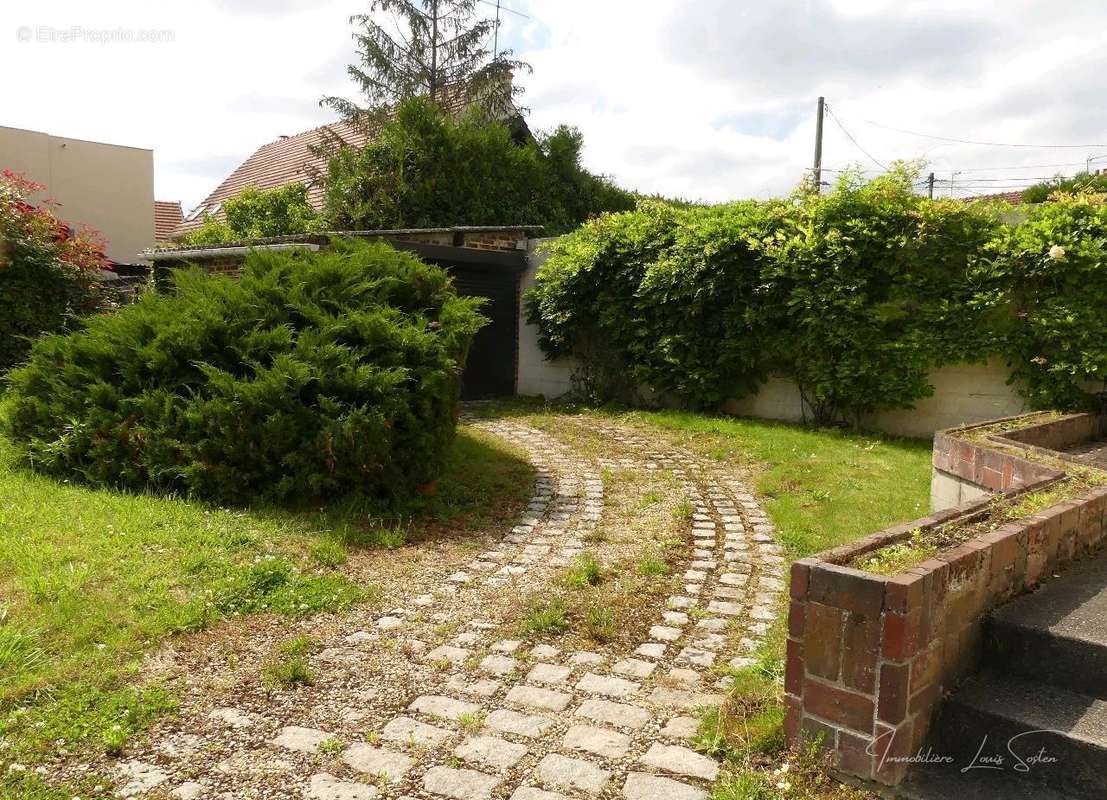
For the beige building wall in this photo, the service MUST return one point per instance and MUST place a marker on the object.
(536, 374)
(105, 186)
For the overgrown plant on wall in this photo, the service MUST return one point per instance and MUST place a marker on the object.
(49, 274)
(855, 294)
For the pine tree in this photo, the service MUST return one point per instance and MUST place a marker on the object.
(432, 48)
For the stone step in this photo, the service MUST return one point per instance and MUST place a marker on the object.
(943, 782)
(996, 716)
(1057, 635)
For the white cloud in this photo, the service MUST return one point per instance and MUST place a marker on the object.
(708, 99)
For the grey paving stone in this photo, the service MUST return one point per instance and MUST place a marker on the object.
(640, 786)
(635, 668)
(563, 772)
(234, 717)
(545, 651)
(444, 707)
(455, 655)
(681, 698)
(507, 721)
(390, 623)
(692, 655)
(495, 752)
(601, 741)
(498, 665)
(548, 673)
(328, 787)
(622, 714)
(741, 662)
(675, 618)
(681, 761)
(681, 728)
(733, 579)
(651, 650)
(484, 687)
(535, 697)
(725, 608)
(189, 790)
(377, 761)
(586, 658)
(506, 646)
(685, 677)
(530, 793)
(411, 731)
(460, 577)
(303, 740)
(462, 784)
(138, 777)
(607, 685)
(664, 633)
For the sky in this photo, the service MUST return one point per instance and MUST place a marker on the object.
(703, 99)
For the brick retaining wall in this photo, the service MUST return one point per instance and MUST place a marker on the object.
(869, 657)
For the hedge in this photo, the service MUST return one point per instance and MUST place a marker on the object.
(314, 374)
(854, 294)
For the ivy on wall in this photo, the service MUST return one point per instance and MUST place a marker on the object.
(854, 294)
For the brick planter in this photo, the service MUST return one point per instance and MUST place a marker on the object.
(870, 657)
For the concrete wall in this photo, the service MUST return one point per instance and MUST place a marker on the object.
(107, 187)
(963, 394)
(537, 374)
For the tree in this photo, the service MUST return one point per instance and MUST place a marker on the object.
(257, 214)
(427, 168)
(437, 50)
(49, 274)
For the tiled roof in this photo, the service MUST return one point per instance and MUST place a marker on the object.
(1015, 198)
(287, 160)
(167, 216)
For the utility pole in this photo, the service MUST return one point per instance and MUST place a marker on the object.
(818, 168)
(496, 35)
(952, 177)
(930, 186)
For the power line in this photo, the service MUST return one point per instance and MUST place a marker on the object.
(982, 143)
(849, 136)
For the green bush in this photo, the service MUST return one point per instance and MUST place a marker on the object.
(259, 214)
(1046, 288)
(49, 274)
(315, 374)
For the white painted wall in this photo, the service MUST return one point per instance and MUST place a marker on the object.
(963, 393)
(537, 374)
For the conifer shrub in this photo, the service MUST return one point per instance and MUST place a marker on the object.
(312, 375)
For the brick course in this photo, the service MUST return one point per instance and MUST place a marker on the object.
(869, 657)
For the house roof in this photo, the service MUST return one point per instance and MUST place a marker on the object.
(1015, 198)
(287, 160)
(167, 216)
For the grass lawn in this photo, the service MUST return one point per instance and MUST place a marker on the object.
(91, 580)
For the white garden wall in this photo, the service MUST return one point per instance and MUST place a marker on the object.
(963, 393)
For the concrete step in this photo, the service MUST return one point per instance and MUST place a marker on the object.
(1032, 733)
(1057, 635)
(944, 782)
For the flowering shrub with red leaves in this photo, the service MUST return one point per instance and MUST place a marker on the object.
(49, 273)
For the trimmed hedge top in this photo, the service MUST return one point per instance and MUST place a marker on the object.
(312, 375)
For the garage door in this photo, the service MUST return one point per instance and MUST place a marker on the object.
(490, 371)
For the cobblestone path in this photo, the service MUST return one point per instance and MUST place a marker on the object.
(401, 711)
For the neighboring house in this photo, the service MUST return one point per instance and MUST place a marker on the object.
(288, 160)
(1014, 198)
(104, 186)
(167, 216)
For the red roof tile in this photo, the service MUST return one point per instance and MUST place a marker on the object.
(167, 216)
(1014, 198)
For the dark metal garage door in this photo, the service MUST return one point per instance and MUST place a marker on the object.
(490, 371)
